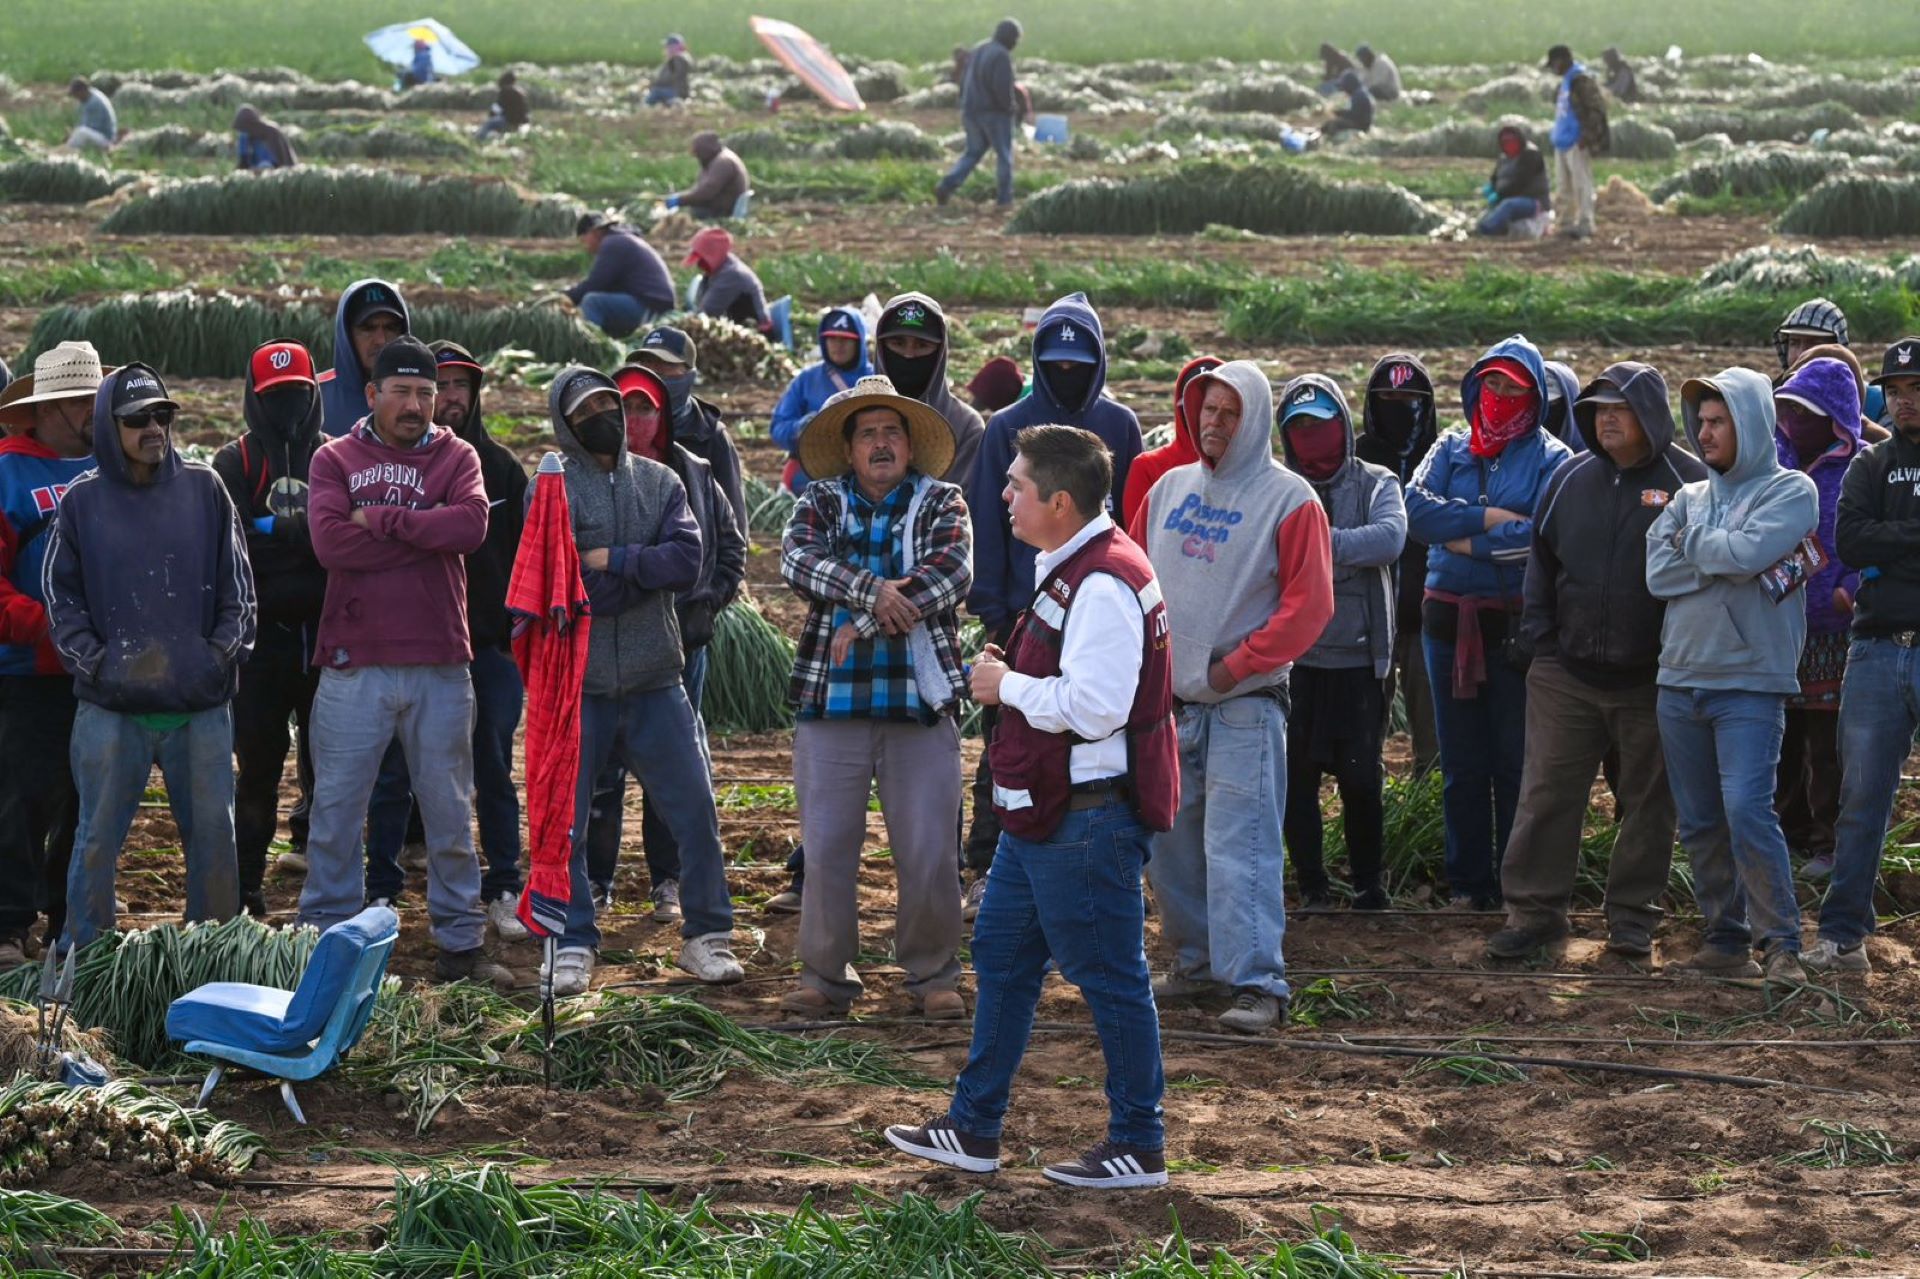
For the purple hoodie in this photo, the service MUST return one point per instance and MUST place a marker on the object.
(1830, 387)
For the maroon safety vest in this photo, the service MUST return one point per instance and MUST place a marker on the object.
(1031, 779)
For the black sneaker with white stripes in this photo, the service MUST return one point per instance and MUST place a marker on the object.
(1111, 1166)
(941, 1142)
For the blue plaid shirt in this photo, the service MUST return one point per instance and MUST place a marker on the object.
(876, 681)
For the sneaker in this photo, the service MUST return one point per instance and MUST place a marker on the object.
(1783, 969)
(13, 953)
(1820, 867)
(1373, 898)
(254, 903)
(805, 1001)
(666, 902)
(786, 902)
(1253, 1011)
(503, 912)
(943, 1005)
(1635, 941)
(971, 899)
(413, 857)
(572, 971)
(602, 895)
(291, 862)
(1175, 987)
(1711, 961)
(455, 965)
(710, 958)
(941, 1142)
(1112, 1166)
(1519, 942)
(1823, 956)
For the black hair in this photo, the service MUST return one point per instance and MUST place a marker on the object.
(1067, 457)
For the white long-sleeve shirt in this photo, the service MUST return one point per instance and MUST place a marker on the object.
(1101, 648)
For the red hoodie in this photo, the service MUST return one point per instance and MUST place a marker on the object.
(397, 589)
(1154, 463)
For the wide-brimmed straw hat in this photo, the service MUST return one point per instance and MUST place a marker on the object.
(70, 371)
(823, 448)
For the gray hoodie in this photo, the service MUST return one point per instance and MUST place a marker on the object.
(1707, 549)
(1241, 551)
(1368, 519)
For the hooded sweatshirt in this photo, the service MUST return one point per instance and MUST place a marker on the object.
(148, 591)
(988, 86)
(722, 181)
(1706, 550)
(1154, 463)
(33, 479)
(1448, 496)
(1563, 388)
(1241, 550)
(697, 427)
(397, 589)
(260, 138)
(638, 512)
(625, 263)
(343, 388)
(1830, 385)
(1587, 602)
(490, 568)
(1367, 519)
(1398, 435)
(937, 392)
(266, 472)
(814, 385)
(1002, 565)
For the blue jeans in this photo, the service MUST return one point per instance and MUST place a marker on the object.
(658, 736)
(1723, 756)
(1074, 898)
(1217, 874)
(616, 314)
(661, 95)
(993, 132)
(1879, 710)
(1515, 208)
(112, 755)
(497, 700)
(1483, 742)
(606, 821)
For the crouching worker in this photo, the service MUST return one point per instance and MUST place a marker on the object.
(1085, 768)
(638, 545)
(150, 605)
(883, 553)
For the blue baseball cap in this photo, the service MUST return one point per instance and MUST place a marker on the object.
(1309, 401)
(1068, 342)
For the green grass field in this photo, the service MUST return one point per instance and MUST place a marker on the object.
(46, 40)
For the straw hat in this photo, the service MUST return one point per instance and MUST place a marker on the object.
(823, 449)
(69, 371)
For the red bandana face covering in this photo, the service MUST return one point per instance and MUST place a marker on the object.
(1499, 420)
(1319, 445)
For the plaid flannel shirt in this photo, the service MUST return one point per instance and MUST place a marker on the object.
(819, 563)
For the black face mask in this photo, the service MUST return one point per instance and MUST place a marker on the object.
(679, 388)
(1070, 386)
(284, 410)
(912, 374)
(601, 433)
(1396, 422)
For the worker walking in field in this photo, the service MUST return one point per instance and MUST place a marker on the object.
(151, 608)
(1084, 773)
(1579, 134)
(989, 108)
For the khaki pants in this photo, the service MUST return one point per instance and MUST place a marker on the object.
(1573, 189)
(835, 763)
(1570, 726)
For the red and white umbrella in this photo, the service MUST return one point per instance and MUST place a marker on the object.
(807, 58)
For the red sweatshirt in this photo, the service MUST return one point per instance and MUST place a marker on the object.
(396, 589)
(1154, 463)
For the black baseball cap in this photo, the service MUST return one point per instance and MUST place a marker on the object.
(405, 357)
(378, 298)
(592, 222)
(914, 318)
(1556, 53)
(669, 344)
(1901, 360)
(138, 389)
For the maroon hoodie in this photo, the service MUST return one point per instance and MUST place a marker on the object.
(397, 589)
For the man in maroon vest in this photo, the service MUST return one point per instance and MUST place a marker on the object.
(1085, 769)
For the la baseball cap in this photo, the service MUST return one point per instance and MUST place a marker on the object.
(279, 364)
(1068, 342)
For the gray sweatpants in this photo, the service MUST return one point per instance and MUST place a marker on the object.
(356, 713)
(835, 763)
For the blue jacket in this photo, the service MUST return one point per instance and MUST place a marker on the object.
(1003, 565)
(33, 478)
(813, 385)
(147, 585)
(1566, 124)
(988, 89)
(1448, 496)
(343, 388)
(422, 66)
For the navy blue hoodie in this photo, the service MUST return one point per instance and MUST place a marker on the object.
(1002, 564)
(149, 594)
(343, 389)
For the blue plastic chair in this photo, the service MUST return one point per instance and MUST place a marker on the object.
(780, 311)
(292, 1034)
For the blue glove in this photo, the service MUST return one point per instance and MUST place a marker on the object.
(673, 202)
(264, 524)
(1491, 196)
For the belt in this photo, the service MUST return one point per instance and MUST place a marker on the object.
(1904, 639)
(1099, 792)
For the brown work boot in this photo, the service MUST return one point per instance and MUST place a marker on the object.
(805, 1001)
(943, 1005)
